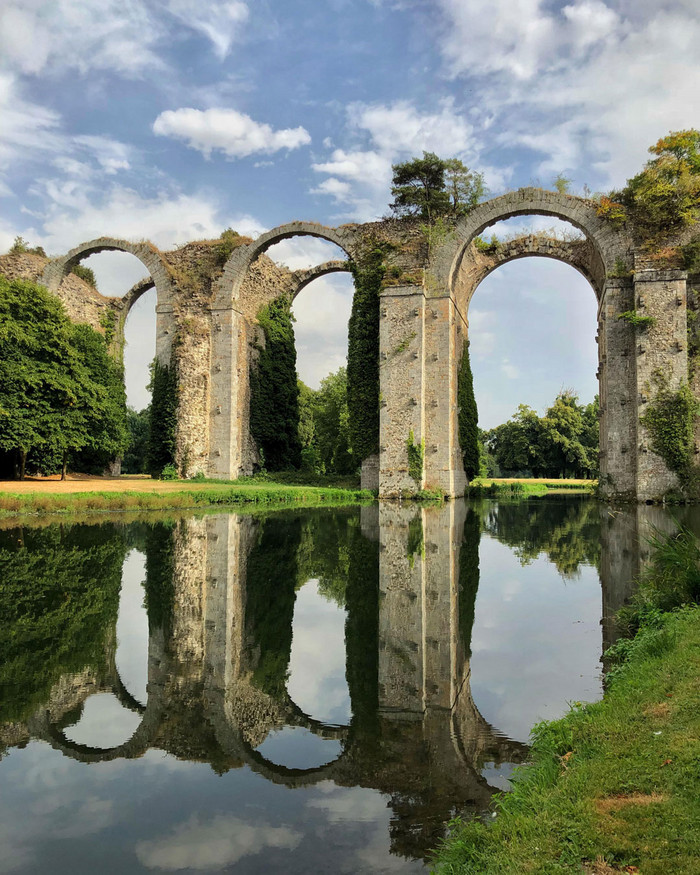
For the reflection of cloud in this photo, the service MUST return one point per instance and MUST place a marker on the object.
(355, 804)
(220, 842)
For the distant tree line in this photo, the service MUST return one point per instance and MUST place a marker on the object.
(562, 443)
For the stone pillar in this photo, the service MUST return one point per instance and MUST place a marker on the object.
(227, 333)
(661, 359)
(401, 386)
(445, 337)
(618, 393)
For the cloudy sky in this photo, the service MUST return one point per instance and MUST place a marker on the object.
(173, 119)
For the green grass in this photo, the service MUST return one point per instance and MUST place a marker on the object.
(616, 781)
(511, 489)
(207, 495)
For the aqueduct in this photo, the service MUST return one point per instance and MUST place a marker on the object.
(207, 327)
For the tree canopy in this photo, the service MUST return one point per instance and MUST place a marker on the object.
(562, 443)
(60, 390)
(431, 187)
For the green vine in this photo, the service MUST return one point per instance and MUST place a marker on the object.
(363, 353)
(468, 417)
(108, 321)
(274, 394)
(636, 321)
(405, 343)
(416, 456)
(163, 418)
(415, 543)
(670, 420)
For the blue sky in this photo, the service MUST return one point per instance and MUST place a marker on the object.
(173, 119)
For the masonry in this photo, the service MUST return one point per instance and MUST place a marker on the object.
(207, 308)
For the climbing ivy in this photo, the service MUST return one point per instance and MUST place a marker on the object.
(416, 456)
(163, 417)
(274, 396)
(468, 417)
(363, 354)
(635, 320)
(670, 419)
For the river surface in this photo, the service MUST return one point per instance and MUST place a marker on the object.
(304, 692)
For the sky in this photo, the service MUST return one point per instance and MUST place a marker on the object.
(171, 120)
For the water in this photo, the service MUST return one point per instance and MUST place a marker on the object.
(311, 691)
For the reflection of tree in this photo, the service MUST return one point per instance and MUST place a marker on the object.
(567, 531)
(324, 552)
(468, 577)
(58, 606)
(272, 574)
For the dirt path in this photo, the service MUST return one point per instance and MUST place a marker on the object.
(46, 485)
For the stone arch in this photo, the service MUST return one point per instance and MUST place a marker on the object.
(476, 264)
(236, 267)
(135, 292)
(58, 268)
(608, 243)
(302, 278)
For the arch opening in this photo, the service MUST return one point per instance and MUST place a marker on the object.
(532, 331)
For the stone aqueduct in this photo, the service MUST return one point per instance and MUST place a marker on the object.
(423, 329)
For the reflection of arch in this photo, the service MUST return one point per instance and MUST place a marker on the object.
(302, 278)
(582, 214)
(58, 268)
(236, 268)
(477, 264)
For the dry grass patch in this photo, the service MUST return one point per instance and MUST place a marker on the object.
(662, 711)
(617, 803)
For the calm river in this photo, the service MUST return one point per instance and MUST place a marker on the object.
(304, 692)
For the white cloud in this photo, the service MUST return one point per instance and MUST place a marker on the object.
(222, 841)
(219, 20)
(226, 130)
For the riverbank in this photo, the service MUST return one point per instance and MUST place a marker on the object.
(48, 496)
(613, 786)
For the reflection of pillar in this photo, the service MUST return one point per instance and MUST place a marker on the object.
(420, 654)
(624, 552)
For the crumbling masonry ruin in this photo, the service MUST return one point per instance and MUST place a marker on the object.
(207, 328)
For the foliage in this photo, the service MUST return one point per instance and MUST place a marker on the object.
(468, 578)
(135, 459)
(108, 321)
(363, 355)
(21, 246)
(564, 442)
(163, 417)
(430, 187)
(84, 273)
(468, 417)
(274, 395)
(609, 786)
(60, 391)
(229, 241)
(631, 317)
(670, 580)
(561, 183)
(159, 584)
(612, 211)
(665, 196)
(690, 253)
(58, 603)
(332, 424)
(670, 419)
(415, 543)
(416, 456)
(169, 472)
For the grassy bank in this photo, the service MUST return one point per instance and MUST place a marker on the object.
(524, 486)
(153, 495)
(613, 786)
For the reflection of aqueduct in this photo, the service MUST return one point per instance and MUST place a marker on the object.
(421, 740)
(423, 329)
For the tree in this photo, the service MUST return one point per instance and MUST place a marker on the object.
(418, 187)
(465, 188)
(515, 444)
(59, 389)
(468, 417)
(666, 194)
(139, 426)
(332, 424)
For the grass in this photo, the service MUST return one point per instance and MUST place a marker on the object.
(613, 786)
(549, 483)
(148, 495)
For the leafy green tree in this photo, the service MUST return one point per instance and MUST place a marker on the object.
(310, 460)
(666, 194)
(560, 438)
(136, 456)
(60, 392)
(332, 424)
(418, 187)
(465, 188)
(163, 418)
(515, 444)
